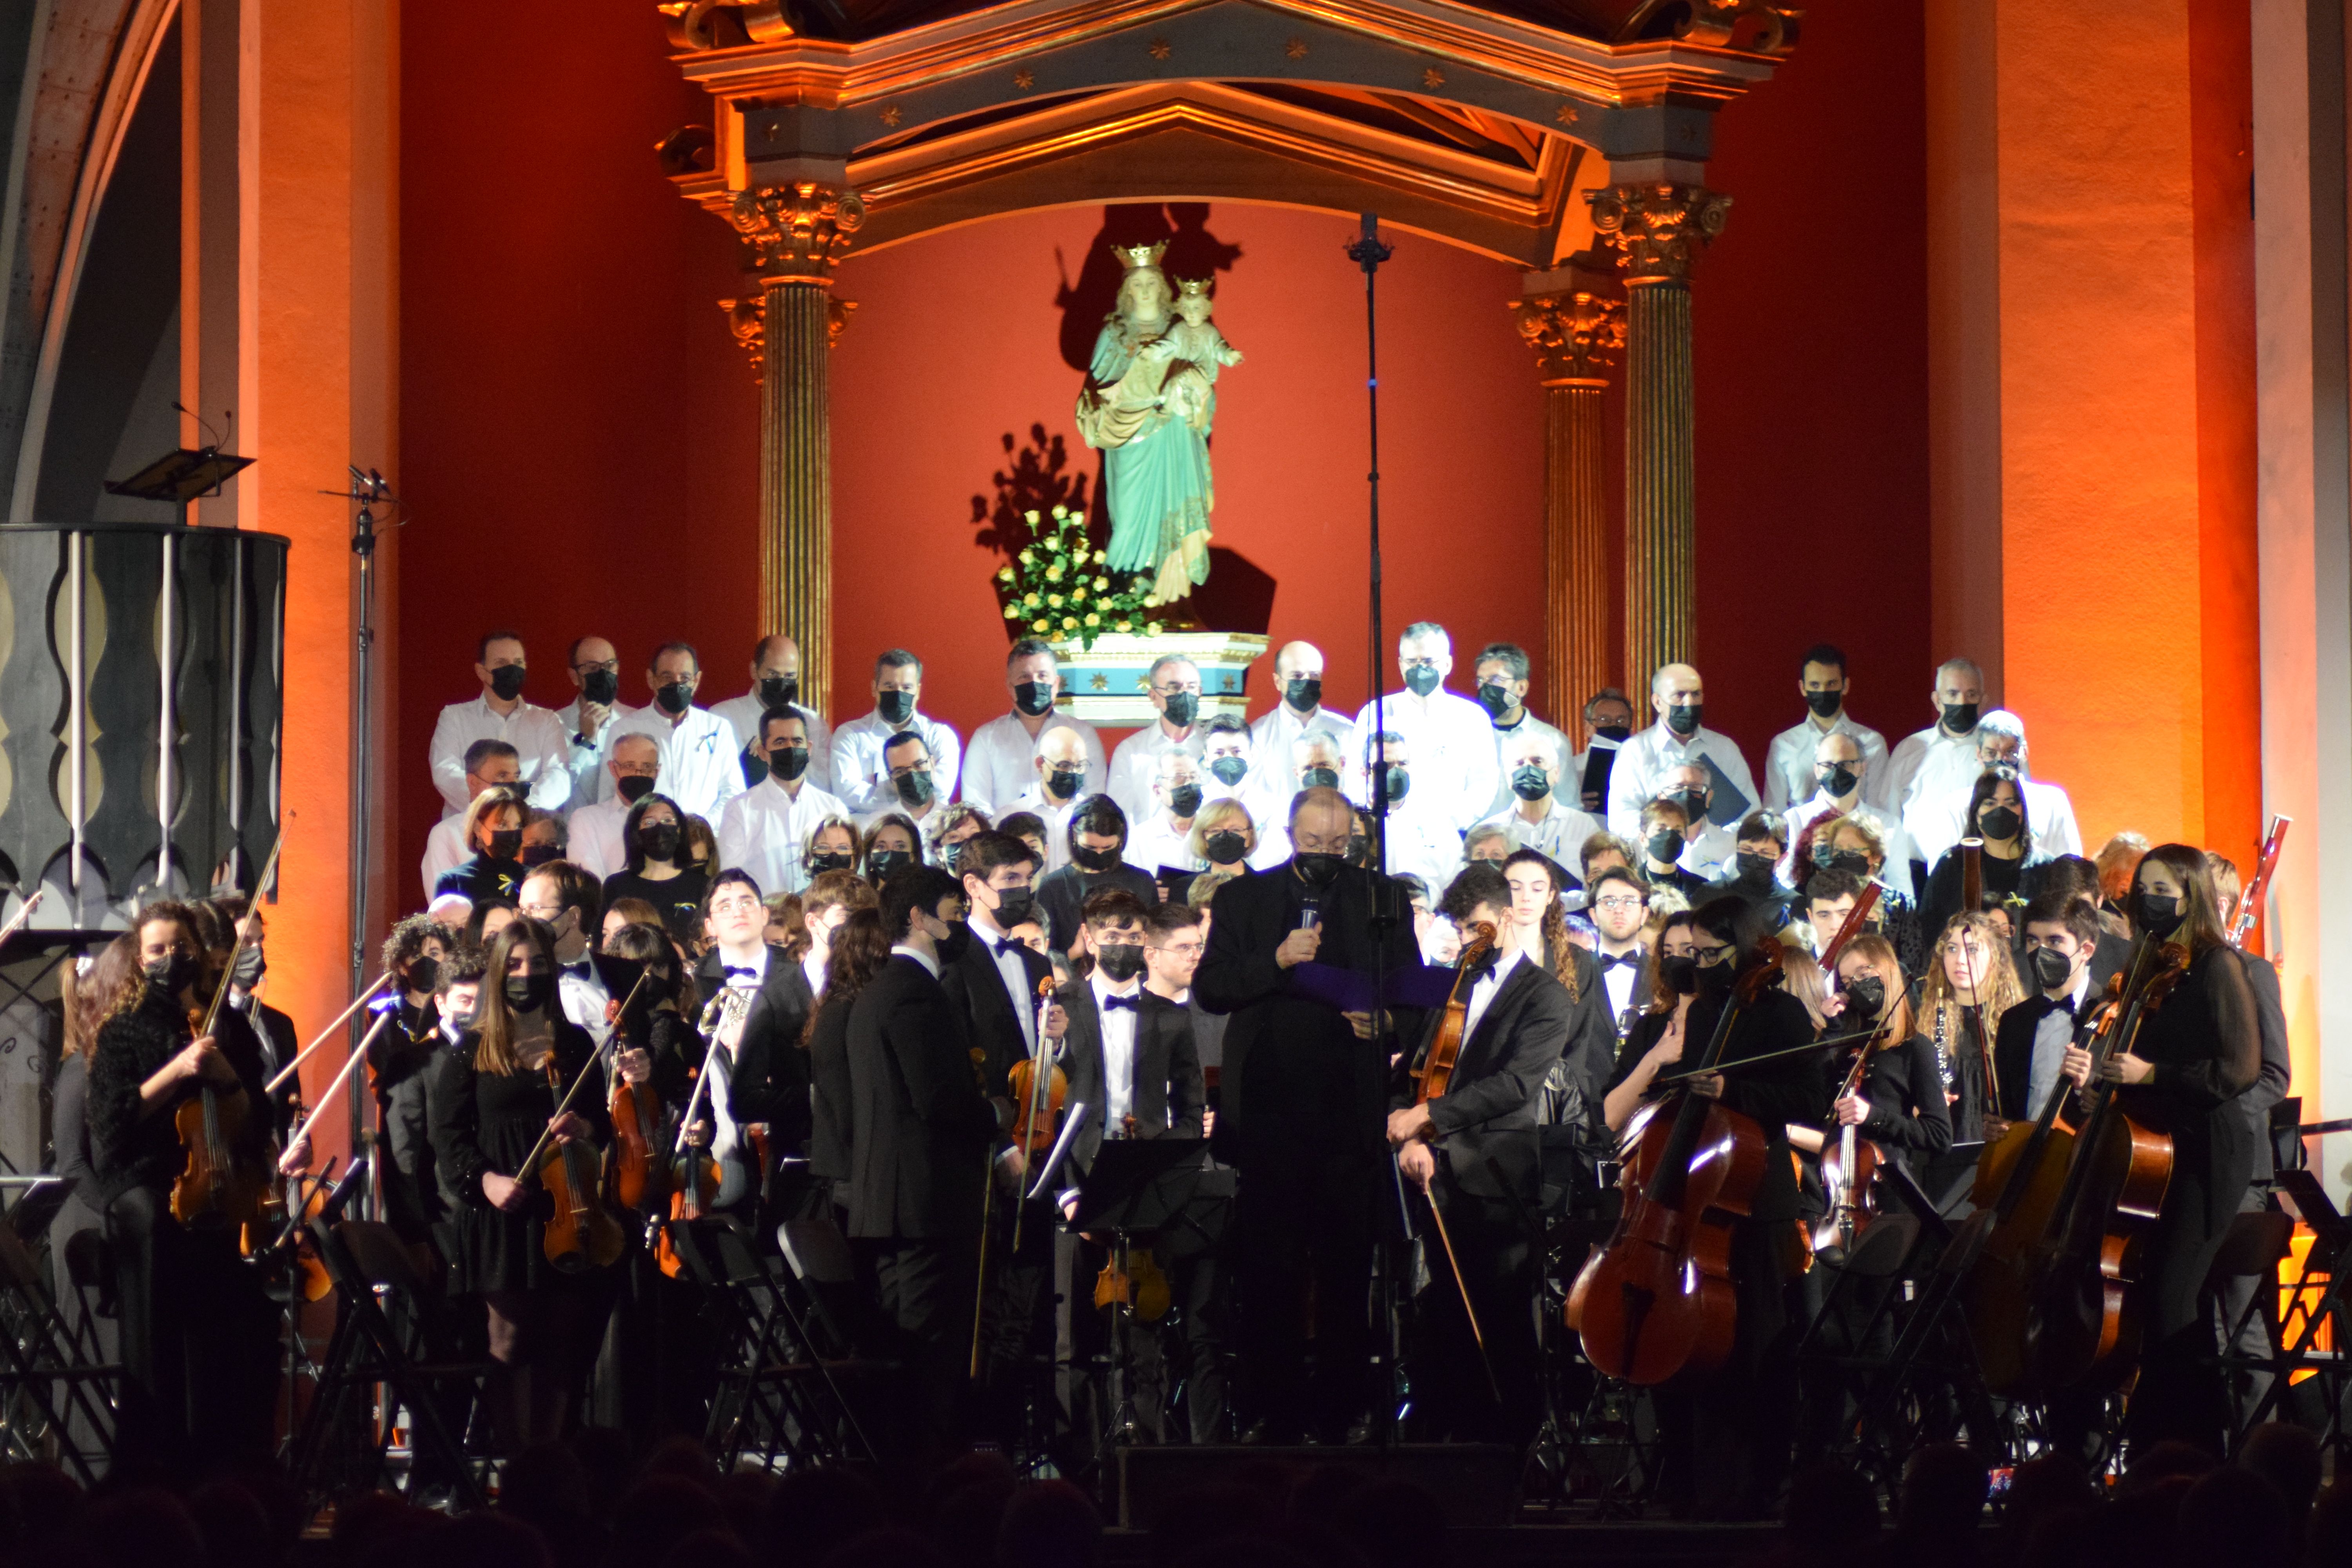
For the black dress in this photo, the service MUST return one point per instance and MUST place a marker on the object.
(480, 879)
(482, 1121)
(680, 899)
(2013, 880)
(1951, 1174)
(1908, 1116)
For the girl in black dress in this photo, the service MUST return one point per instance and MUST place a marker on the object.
(488, 1102)
(660, 868)
(1901, 1106)
(1996, 813)
(2197, 1052)
(492, 872)
(1971, 984)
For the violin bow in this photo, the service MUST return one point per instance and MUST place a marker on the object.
(563, 1107)
(260, 885)
(342, 1076)
(23, 913)
(1478, 1335)
(1820, 1045)
(291, 1068)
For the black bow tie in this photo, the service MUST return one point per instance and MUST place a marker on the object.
(1113, 1004)
(745, 969)
(1010, 944)
(1622, 960)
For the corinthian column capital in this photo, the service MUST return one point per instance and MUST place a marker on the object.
(797, 232)
(1657, 228)
(1576, 336)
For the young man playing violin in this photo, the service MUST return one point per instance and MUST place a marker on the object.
(1470, 1151)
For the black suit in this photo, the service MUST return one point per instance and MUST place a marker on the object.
(1166, 1095)
(1301, 1113)
(2012, 1053)
(1484, 1128)
(976, 986)
(769, 1081)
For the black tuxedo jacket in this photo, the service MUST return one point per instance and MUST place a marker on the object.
(921, 1129)
(977, 988)
(1166, 1096)
(831, 1099)
(1485, 1119)
(771, 1080)
(2012, 1052)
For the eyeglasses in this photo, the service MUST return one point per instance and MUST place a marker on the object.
(1171, 688)
(590, 667)
(737, 906)
(1708, 956)
(1619, 905)
(1181, 950)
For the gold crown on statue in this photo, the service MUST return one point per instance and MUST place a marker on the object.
(1137, 257)
(1192, 288)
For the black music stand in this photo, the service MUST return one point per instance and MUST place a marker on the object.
(181, 477)
(1133, 1184)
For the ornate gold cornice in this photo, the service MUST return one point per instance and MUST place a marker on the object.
(797, 232)
(747, 319)
(1576, 336)
(1656, 229)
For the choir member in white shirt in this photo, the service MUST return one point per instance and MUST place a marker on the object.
(542, 750)
(915, 795)
(1789, 761)
(1617, 903)
(859, 775)
(1297, 710)
(1608, 724)
(698, 770)
(1000, 761)
(1225, 759)
(1316, 762)
(1421, 837)
(1678, 737)
(1057, 789)
(1453, 742)
(591, 716)
(1538, 818)
(776, 683)
(1163, 835)
(1501, 673)
(1926, 766)
(1708, 846)
(765, 830)
(2049, 812)
(1842, 777)
(1174, 686)
(490, 764)
(632, 772)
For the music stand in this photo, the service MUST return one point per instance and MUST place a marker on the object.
(1133, 1184)
(181, 477)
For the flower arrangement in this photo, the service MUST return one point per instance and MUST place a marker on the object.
(1057, 586)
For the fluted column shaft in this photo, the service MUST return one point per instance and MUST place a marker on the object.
(1576, 337)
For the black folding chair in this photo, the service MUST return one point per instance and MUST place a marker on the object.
(417, 1364)
(52, 1381)
(2325, 1269)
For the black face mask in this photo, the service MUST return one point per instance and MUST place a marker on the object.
(1495, 699)
(1531, 783)
(1865, 995)
(1395, 782)
(540, 854)
(882, 862)
(506, 843)
(1716, 977)
(1182, 708)
(173, 974)
(1034, 697)
(788, 763)
(1120, 960)
(659, 841)
(2000, 822)
(506, 682)
(1063, 784)
(1839, 782)
(1013, 906)
(423, 974)
(831, 861)
(1681, 975)
(1693, 802)
(916, 788)
(632, 787)
(1683, 718)
(1304, 693)
(2051, 967)
(1320, 778)
(779, 691)
(1359, 850)
(2155, 913)
(1229, 771)
(1825, 704)
(529, 993)
(600, 687)
(896, 706)
(955, 943)
(1959, 718)
(1094, 859)
(1317, 871)
(1224, 846)
(1422, 679)
(1752, 867)
(1853, 861)
(673, 697)
(1620, 733)
(1184, 800)
(1666, 845)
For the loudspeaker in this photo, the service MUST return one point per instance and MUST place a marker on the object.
(1478, 1483)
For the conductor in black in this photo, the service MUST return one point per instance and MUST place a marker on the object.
(1304, 1097)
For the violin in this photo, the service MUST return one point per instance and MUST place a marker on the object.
(223, 1183)
(1037, 1108)
(699, 1179)
(639, 1173)
(580, 1233)
(1849, 1174)
(1436, 1069)
(1133, 1279)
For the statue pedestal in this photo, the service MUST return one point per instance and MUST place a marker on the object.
(1106, 686)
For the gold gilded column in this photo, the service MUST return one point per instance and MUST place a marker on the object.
(797, 232)
(1577, 337)
(1657, 228)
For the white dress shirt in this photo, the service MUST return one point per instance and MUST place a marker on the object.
(1708, 850)
(444, 847)
(699, 766)
(2051, 1035)
(742, 714)
(1119, 1051)
(596, 830)
(583, 997)
(1450, 746)
(1055, 814)
(1924, 768)
(1560, 832)
(1002, 760)
(2049, 817)
(1508, 739)
(765, 831)
(1155, 842)
(931, 964)
(1273, 734)
(864, 784)
(1422, 840)
(1618, 981)
(542, 751)
(1485, 989)
(1896, 873)
(1135, 766)
(812, 966)
(1643, 762)
(590, 779)
(1788, 759)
